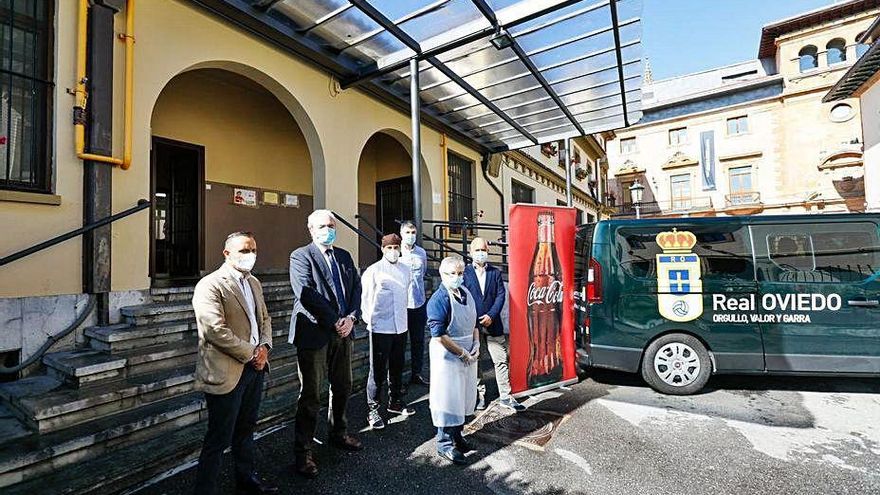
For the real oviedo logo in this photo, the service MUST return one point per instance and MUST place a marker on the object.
(679, 288)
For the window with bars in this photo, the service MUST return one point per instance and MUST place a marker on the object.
(25, 86)
(521, 193)
(460, 173)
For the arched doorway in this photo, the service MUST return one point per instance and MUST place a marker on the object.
(385, 194)
(227, 155)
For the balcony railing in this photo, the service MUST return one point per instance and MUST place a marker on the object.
(742, 198)
(656, 208)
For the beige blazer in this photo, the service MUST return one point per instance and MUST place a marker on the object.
(225, 331)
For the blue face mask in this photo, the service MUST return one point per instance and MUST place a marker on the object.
(480, 256)
(325, 236)
(453, 282)
(409, 239)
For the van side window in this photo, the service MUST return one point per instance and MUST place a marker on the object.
(637, 251)
(723, 250)
(725, 253)
(819, 253)
(791, 252)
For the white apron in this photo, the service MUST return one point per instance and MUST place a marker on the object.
(453, 392)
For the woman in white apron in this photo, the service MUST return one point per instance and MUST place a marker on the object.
(454, 350)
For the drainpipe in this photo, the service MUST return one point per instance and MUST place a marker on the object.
(485, 166)
(98, 117)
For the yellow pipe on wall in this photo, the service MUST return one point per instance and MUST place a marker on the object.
(82, 96)
(445, 150)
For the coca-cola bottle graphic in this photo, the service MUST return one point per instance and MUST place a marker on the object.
(545, 308)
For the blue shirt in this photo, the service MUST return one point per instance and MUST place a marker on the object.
(417, 260)
(440, 311)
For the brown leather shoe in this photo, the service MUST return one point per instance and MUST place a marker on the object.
(305, 466)
(347, 442)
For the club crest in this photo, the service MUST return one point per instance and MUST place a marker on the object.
(679, 288)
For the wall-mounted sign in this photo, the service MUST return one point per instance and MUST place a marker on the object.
(270, 198)
(244, 197)
(291, 200)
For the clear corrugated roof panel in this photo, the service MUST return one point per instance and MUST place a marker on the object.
(571, 67)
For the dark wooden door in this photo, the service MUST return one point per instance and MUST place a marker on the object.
(394, 202)
(177, 231)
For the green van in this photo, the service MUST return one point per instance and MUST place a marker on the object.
(682, 298)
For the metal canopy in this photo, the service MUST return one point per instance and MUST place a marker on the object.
(554, 70)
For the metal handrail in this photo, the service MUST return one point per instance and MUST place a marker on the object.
(369, 224)
(356, 230)
(141, 205)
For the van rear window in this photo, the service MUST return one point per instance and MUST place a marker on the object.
(723, 250)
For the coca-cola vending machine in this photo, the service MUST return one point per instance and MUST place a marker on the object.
(541, 291)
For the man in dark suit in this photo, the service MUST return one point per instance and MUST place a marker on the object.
(326, 305)
(484, 282)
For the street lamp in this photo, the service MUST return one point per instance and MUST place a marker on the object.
(636, 191)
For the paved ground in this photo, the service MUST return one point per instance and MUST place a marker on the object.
(743, 435)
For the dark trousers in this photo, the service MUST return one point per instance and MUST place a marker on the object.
(448, 436)
(232, 419)
(334, 359)
(416, 319)
(387, 355)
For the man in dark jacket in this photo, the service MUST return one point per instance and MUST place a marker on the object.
(484, 282)
(326, 305)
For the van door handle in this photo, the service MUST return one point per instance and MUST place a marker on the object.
(873, 303)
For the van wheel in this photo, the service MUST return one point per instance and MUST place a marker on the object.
(676, 364)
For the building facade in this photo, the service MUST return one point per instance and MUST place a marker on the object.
(753, 137)
(228, 132)
(861, 81)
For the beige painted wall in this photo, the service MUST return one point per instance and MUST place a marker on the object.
(383, 158)
(871, 130)
(251, 140)
(789, 45)
(173, 37)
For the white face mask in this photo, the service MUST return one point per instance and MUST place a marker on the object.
(452, 282)
(480, 256)
(245, 262)
(392, 255)
(409, 239)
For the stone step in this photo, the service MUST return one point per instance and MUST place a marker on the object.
(125, 467)
(124, 337)
(151, 314)
(150, 359)
(82, 367)
(172, 294)
(34, 457)
(50, 409)
(48, 406)
(114, 452)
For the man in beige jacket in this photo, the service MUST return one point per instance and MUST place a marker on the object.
(235, 336)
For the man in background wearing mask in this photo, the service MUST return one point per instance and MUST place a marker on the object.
(235, 336)
(384, 301)
(414, 257)
(485, 283)
(326, 305)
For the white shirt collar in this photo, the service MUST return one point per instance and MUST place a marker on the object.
(238, 275)
(322, 248)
